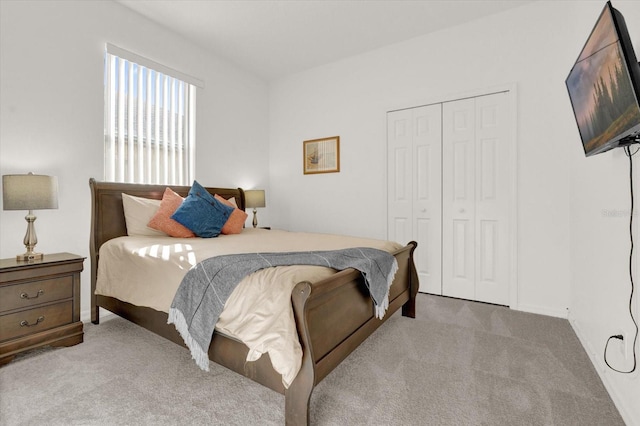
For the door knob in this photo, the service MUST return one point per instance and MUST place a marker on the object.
(423, 210)
(462, 210)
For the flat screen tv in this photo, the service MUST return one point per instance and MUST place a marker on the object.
(604, 86)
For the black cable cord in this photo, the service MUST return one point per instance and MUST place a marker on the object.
(627, 150)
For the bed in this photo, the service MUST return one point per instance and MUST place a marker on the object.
(332, 316)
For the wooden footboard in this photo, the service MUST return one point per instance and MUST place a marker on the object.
(333, 316)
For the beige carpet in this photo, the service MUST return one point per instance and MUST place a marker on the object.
(457, 363)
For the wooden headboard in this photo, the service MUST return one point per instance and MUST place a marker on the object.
(107, 214)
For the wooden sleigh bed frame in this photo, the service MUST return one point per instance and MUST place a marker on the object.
(333, 316)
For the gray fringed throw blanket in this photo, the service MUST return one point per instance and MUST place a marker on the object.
(207, 286)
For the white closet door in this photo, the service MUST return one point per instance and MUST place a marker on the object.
(458, 201)
(415, 188)
(492, 199)
(449, 176)
(399, 176)
(427, 210)
(475, 209)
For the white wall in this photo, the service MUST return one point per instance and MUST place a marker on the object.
(51, 111)
(599, 232)
(522, 47)
(570, 255)
(560, 193)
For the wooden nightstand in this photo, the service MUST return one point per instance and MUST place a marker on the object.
(39, 303)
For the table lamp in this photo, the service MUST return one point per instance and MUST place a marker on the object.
(29, 192)
(254, 198)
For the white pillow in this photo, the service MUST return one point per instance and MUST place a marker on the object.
(138, 212)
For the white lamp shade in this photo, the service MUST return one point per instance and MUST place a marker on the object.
(29, 192)
(254, 198)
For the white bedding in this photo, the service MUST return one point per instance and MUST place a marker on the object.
(146, 271)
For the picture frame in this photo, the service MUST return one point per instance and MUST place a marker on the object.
(321, 155)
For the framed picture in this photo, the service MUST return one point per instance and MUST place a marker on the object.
(321, 155)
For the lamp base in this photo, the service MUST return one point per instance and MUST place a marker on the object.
(29, 257)
(30, 241)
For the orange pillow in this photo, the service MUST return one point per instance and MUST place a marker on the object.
(236, 220)
(162, 219)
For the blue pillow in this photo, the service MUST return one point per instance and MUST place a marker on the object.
(202, 213)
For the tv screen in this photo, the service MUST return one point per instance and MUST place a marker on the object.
(604, 86)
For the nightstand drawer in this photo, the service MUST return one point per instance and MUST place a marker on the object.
(33, 293)
(35, 320)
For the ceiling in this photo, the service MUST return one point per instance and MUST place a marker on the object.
(274, 38)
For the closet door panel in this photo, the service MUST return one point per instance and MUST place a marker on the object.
(458, 199)
(427, 211)
(400, 181)
(415, 188)
(492, 199)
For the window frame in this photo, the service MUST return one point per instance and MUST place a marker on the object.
(160, 111)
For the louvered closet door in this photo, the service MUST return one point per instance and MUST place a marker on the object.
(475, 239)
(415, 187)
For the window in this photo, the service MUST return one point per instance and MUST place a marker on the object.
(149, 121)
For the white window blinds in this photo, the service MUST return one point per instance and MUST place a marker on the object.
(149, 127)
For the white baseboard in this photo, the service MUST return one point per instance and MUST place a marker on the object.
(601, 369)
(85, 316)
(541, 310)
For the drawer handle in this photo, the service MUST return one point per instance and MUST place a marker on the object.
(25, 323)
(26, 296)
